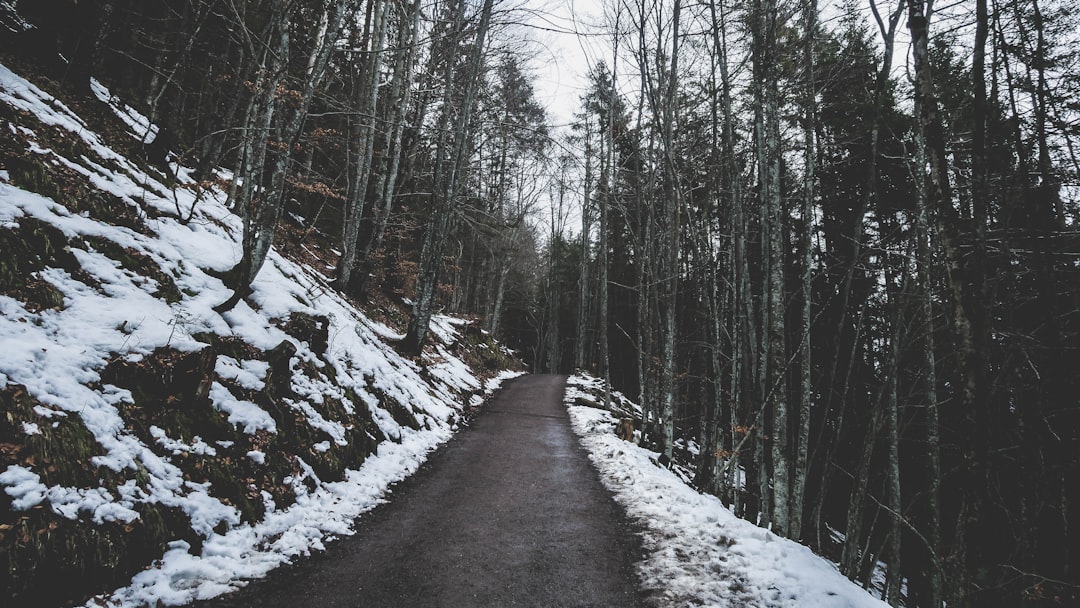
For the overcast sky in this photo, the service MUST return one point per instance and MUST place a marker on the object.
(563, 56)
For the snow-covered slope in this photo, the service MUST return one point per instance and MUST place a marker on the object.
(144, 435)
(697, 552)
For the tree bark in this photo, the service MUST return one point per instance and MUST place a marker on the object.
(806, 389)
(257, 204)
(928, 364)
(670, 253)
(261, 207)
(946, 221)
(445, 197)
(581, 344)
(892, 423)
(401, 93)
(773, 360)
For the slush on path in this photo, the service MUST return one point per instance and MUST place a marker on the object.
(509, 513)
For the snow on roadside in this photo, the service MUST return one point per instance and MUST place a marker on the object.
(58, 355)
(697, 552)
(244, 553)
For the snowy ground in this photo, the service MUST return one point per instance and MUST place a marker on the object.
(698, 552)
(58, 354)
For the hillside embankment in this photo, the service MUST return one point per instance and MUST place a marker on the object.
(151, 448)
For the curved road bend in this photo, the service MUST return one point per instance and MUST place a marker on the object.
(508, 513)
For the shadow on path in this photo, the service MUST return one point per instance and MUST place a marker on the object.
(508, 513)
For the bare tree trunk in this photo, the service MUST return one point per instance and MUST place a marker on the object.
(602, 263)
(929, 371)
(670, 254)
(892, 424)
(644, 256)
(269, 202)
(554, 299)
(714, 442)
(401, 93)
(773, 351)
(256, 202)
(641, 311)
(851, 559)
(609, 176)
(581, 343)
(806, 390)
(740, 323)
(362, 169)
(445, 198)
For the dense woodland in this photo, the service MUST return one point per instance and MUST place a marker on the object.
(832, 248)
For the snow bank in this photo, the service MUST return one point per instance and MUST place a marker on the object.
(698, 552)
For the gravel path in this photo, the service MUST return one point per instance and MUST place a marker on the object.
(509, 513)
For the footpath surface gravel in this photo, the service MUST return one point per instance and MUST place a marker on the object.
(508, 513)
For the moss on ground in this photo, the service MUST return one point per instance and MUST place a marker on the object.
(27, 249)
(39, 547)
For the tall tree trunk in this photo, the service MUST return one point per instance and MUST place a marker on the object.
(946, 221)
(773, 360)
(928, 365)
(581, 344)
(362, 169)
(892, 425)
(401, 94)
(445, 199)
(776, 360)
(715, 443)
(554, 291)
(256, 202)
(806, 390)
(670, 253)
(604, 200)
(609, 176)
(261, 222)
(644, 250)
(741, 313)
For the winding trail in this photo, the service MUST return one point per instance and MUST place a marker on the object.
(508, 513)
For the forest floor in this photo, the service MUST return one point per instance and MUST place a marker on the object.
(508, 513)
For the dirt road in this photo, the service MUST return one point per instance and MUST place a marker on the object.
(508, 513)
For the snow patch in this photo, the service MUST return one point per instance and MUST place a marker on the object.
(23, 486)
(243, 414)
(698, 552)
(247, 374)
(141, 127)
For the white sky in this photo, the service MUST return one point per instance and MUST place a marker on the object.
(560, 29)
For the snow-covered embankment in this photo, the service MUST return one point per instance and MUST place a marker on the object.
(697, 552)
(149, 442)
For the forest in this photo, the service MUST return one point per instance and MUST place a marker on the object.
(832, 248)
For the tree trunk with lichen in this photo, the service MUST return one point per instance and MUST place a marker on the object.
(447, 182)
